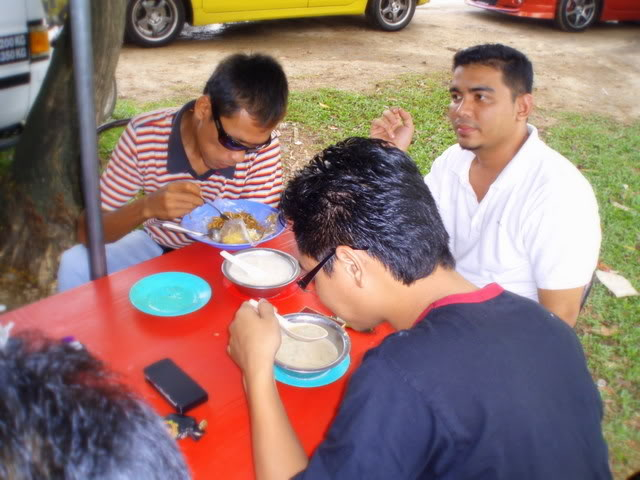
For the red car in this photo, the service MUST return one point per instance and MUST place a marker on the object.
(569, 15)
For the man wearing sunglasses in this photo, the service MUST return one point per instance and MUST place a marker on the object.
(168, 162)
(477, 382)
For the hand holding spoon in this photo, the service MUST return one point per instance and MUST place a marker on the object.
(318, 332)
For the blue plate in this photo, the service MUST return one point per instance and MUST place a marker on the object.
(325, 378)
(170, 294)
(199, 219)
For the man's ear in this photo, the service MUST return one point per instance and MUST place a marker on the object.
(524, 106)
(351, 262)
(202, 110)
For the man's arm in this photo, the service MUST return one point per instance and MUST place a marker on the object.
(277, 452)
(395, 126)
(564, 303)
(255, 339)
(562, 236)
(171, 201)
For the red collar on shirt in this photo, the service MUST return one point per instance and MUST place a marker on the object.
(486, 293)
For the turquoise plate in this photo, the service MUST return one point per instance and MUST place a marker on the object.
(325, 378)
(170, 294)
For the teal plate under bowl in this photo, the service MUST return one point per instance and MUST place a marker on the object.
(170, 294)
(325, 378)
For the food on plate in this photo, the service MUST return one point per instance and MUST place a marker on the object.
(299, 354)
(278, 268)
(217, 223)
(240, 227)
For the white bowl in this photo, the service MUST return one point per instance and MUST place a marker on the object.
(262, 291)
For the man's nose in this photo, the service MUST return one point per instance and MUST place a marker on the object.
(463, 108)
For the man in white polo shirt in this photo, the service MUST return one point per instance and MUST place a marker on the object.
(518, 212)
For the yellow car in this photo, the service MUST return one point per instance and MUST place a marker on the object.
(153, 23)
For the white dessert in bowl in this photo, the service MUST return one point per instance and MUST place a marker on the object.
(308, 359)
(280, 270)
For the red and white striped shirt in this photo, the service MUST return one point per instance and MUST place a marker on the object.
(140, 164)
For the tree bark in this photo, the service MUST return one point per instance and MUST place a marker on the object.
(41, 194)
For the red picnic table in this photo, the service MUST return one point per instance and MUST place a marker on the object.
(100, 315)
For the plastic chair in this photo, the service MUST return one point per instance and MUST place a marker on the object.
(587, 291)
(112, 124)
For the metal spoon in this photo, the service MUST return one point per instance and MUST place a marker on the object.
(223, 216)
(286, 326)
(178, 228)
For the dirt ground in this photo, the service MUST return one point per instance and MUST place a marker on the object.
(596, 71)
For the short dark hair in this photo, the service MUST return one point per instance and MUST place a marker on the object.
(256, 83)
(517, 71)
(62, 415)
(363, 192)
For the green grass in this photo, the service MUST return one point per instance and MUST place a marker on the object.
(333, 115)
(6, 157)
(608, 154)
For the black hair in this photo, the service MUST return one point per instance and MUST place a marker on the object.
(517, 71)
(256, 83)
(63, 416)
(363, 192)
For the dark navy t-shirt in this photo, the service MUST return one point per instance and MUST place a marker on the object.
(487, 385)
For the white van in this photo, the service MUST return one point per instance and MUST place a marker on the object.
(25, 54)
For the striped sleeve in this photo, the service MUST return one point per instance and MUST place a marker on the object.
(121, 180)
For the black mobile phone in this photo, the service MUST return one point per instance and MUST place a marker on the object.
(178, 388)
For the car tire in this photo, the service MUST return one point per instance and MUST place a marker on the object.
(153, 23)
(390, 15)
(576, 15)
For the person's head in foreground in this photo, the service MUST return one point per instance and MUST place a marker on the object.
(241, 104)
(362, 208)
(490, 96)
(62, 416)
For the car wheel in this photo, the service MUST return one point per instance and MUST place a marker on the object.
(576, 15)
(154, 23)
(391, 15)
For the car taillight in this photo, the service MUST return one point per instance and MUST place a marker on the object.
(39, 42)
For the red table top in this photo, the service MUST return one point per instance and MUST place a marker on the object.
(100, 316)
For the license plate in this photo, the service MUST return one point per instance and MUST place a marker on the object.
(14, 48)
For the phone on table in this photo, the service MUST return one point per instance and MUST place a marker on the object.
(178, 388)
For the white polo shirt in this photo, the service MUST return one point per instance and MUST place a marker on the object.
(537, 226)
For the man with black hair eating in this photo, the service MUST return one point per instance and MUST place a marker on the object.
(477, 383)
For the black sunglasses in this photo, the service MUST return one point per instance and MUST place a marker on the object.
(230, 143)
(304, 282)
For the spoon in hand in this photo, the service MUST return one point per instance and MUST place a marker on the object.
(316, 332)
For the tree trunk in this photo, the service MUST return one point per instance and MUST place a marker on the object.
(41, 195)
